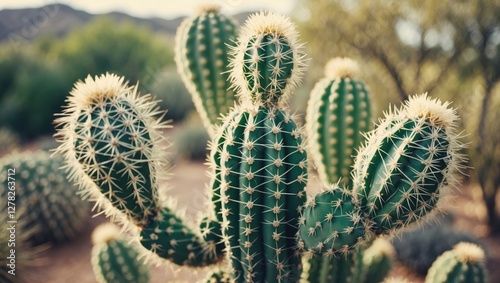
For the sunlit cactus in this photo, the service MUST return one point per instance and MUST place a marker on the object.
(50, 202)
(407, 163)
(263, 156)
(202, 48)
(111, 138)
(464, 263)
(338, 113)
(114, 259)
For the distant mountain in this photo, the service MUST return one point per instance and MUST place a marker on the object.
(58, 20)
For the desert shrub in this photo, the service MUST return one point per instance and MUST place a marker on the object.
(191, 139)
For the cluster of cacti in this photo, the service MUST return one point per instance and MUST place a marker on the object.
(202, 47)
(338, 113)
(464, 263)
(111, 139)
(114, 259)
(42, 190)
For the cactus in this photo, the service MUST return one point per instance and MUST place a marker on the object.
(202, 47)
(113, 148)
(263, 157)
(338, 113)
(464, 263)
(50, 201)
(399, 175)
(378, 260)
(113, 259)
(219, 277)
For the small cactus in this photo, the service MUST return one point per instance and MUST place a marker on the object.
(51, 202)
(464, 263)
(263, 156)
(112, 142)
(114, 260)
(202, 47)
(338, 114)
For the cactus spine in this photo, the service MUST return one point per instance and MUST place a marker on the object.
(50, 202)
(264, 161)
(464, 263)
(113, 148)
(202, 47)
(338, 114)
(113, 260)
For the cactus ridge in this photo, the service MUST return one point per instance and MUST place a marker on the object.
(333, 223)
(403, 169)
(51, 202)
(263, 193)
(113, 260)
(202, 60)
(337, 115)
(115, 150)
(464, 263)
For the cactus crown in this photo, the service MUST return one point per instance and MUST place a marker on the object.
(469, 252)
(208, 8)
(268, 62)
(341, 67)
(105, 233)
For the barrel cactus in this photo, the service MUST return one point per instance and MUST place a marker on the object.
(202, 48)
(338, 113)
(114, 259)
(50, 202)
(464, 263)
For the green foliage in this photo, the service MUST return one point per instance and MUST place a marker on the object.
(417, 248)
(114, 260)
(50, 201)
(191, 139)
(463, 264)
(173, 95)
(104, 46)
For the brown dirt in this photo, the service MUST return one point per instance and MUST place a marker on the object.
(70, 262)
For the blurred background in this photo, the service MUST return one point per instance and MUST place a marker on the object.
(450, 49)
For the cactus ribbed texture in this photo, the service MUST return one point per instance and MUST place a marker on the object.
(113, 147)
(50, 202)
(338, 113)
(348, 268)
(202, 47)
(407, 162)
(464, 263)
(399, 176)
(114, 260)
(333, 224)
(263, 157)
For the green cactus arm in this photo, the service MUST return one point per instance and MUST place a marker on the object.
(112, 142)
(202, 48)
(338, 113)
(407, 163)
(378, 260)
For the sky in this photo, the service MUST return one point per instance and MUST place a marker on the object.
(157, 8)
